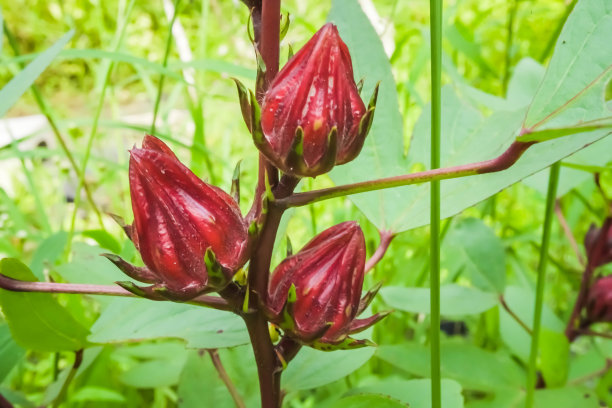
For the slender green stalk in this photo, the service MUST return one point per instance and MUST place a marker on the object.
(38, 203)
(509, 34)
(94, 126)
(46, 111)
(435, 7)
(78, 359)
(553, 182)
(557, 32)
(160, 85)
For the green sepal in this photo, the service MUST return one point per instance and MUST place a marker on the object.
(135, 289)
(294, 161)
(328, 161)
(367, 298)
(374, 97)
(348, 343)
(284, 26)
(256, 132)
(290, 52)
(140, 273)
(359, 85)
(235, 190)
(245, 103)
(289, 247)
(240, 277)
(216, 278)
(121, 222)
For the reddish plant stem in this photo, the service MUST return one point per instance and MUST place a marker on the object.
(4, 403)
(502, 162)
(216, 360)
(385, 240)
(587, 332)
(568, 232)
(502, 301)
(571, 331)
(288, 348)
(15, 285)
(269, 367)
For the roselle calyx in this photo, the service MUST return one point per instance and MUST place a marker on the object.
(315, 295)
(598, 244)
(312, 116)
(599, 301)
(191, 235)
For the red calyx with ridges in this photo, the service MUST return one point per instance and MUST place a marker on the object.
(315, 295)
(599, 302)
(312, 115)
(191, 235)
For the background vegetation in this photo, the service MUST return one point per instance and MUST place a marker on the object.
(102, 91)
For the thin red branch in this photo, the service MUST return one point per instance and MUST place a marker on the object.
(15, 285)
(574, 325)
(216, 360)
(502, 162)
(502, 301)
(385, 240)
(568, 232)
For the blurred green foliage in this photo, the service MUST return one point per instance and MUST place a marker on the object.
(484, 355)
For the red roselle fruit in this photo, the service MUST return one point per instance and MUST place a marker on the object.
(312, 115)
(191, 235)
(314, 295)
(599, 302)
(598, 244)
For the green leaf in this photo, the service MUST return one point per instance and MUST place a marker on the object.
(573, 397)
(87, 266)
(127, 320)
(199, 371)
(10, 352)
(23, 80)
(597, 154)
(472, 367)
(455, 300)
(36, 320)
(520, 301)
(554, 358)
(153, 365)
(368, 401)
(382, 152)
(476, 246)
(573, 87)
(313, 368)
(104, 239)
(415, 393)
(91, 393)
(466, 137)
(48, 252)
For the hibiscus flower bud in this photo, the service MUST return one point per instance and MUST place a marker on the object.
(599, 302)
(312, 116)
(190, 234)
(315, 295)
